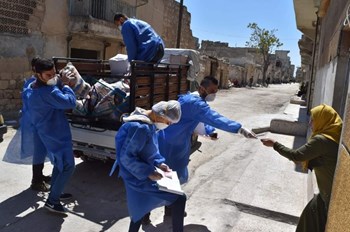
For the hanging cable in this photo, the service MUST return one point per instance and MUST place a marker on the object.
(347, 18)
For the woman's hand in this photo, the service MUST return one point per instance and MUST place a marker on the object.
(155, 176)
(268, 142)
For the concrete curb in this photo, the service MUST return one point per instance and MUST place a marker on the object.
(281, 126)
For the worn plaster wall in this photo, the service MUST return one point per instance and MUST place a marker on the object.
(324, 84)
(237, 73)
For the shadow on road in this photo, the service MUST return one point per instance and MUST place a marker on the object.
(97, 197)
(166, 227)
(25, 205)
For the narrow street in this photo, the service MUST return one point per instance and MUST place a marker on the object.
(236, 184)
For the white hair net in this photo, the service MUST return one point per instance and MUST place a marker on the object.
(170, 110)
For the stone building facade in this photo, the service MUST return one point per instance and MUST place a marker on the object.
(280, 68)
(73, 28)
(219, 68)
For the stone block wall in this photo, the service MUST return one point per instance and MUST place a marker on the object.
(20, 37)
(170, 26)
(12, 78)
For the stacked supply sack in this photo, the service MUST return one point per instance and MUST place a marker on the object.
(107, 98)
(79, 86)
(103, 100)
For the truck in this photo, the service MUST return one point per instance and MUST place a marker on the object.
(94, 137)
(3, 128)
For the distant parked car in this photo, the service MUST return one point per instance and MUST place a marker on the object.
(3, 128)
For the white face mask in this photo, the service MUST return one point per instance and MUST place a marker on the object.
(161, 125)
(52, 81)
(210, 97)
(120, 28)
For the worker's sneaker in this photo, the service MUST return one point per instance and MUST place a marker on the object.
(40, 186)
(65, 196)
(56, 208)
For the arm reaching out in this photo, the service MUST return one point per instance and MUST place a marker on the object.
(268, 142)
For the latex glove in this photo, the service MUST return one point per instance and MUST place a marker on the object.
(247, 133)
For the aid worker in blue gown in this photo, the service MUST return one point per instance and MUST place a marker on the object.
(141, 40)
(46, 102)
(175, 141)
(31, 144)
(137, 157)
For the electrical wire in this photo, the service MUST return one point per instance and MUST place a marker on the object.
(347, 18)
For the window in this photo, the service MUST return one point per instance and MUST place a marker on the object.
(84, 53)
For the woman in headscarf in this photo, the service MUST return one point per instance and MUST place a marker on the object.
(318, 154)
(138, 156)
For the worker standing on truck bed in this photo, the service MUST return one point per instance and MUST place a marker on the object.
(141, 40)
(137, 157)
(46, 102)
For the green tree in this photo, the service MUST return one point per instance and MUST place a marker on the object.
(265, 41)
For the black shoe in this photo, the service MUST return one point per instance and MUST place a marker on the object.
(146, 220)
(46, 179)
(65, 196)
(56, 208)
(40, 186)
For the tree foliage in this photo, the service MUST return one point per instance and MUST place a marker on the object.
(265, 41)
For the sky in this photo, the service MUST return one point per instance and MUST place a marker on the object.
(227, 21)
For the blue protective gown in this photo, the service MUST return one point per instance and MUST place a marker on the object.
(137, 156)
(140, 39)
(175, 141)
(31, 144)
(46, 106)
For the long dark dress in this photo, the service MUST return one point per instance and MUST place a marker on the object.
(321, 153)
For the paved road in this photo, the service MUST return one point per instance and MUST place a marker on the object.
(236, 184)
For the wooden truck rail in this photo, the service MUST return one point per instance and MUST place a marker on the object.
(93, 137)
(149, 84)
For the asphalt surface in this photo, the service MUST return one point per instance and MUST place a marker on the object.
(236, 184)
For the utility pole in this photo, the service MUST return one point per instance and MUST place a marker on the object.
(179, 24)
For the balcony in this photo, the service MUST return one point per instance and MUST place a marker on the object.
(95, 17)
(103, 9)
